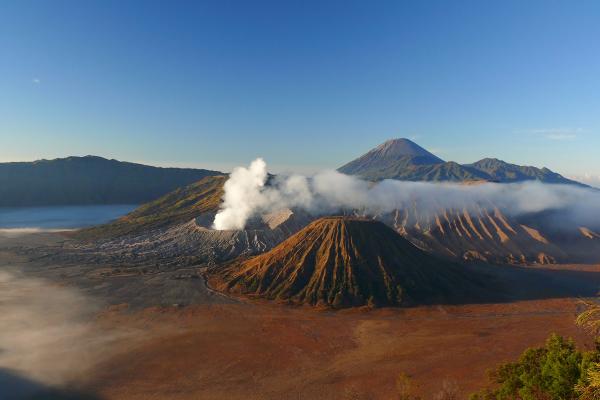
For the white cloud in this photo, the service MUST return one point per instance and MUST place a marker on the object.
(556, 133)
(560, 136)
(36, 81)
(587, 178)
(247, 194)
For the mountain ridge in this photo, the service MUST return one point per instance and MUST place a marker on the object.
(479, 233)
(89, 180)
(380, 163)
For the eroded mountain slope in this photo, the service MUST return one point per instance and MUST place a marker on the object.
(341, 261)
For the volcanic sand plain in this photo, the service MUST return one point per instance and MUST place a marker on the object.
(206, 346)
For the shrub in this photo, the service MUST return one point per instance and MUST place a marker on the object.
(556, 371)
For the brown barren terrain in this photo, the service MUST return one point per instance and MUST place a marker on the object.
(343, 262)
(211, 347)
(259, 351)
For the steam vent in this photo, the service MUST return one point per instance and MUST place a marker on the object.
(344, 262)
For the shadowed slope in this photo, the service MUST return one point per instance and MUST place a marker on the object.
(89, 180)
(341, 262)
(404, 169)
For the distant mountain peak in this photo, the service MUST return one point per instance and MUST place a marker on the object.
(492, 159)
(389, 153)
(403, 159)
(402, 147)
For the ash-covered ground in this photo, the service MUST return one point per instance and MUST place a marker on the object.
(140, 325)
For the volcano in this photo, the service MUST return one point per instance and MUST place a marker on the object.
(342, 262)
(388, 154)
(405, 160)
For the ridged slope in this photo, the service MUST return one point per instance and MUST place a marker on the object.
(481, 233)
(477, 233)
(404, 169)
(339, 261)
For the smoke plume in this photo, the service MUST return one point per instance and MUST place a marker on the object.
(247, 193)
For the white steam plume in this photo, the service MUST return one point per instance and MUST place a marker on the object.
(247, 193)
(242, 195)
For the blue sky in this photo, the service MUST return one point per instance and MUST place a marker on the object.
(306, 85)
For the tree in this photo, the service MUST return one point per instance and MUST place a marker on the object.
(550, 372)
(556, 371)
(589, 389)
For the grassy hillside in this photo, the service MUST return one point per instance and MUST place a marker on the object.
(178, 206)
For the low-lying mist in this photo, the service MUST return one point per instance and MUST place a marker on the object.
(248, 192)
(48, 335)
(15, 232)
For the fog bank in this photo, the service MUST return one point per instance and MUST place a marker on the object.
(47, 333)
(247, 193)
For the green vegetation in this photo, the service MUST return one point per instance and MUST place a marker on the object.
(176, 207)
(555, 371)
(590, 319)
